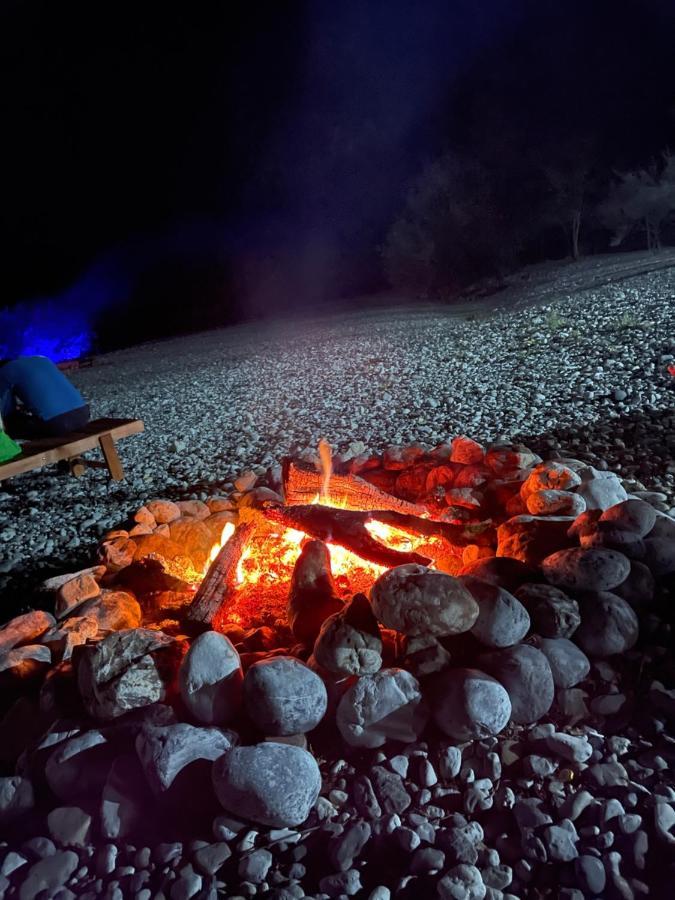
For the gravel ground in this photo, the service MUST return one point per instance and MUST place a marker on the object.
(587, 372)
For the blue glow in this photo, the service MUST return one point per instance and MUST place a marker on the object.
(63, 326)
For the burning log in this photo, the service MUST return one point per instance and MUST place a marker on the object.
(220, 580)
(302, 486)
(344, 527)
(480, 533)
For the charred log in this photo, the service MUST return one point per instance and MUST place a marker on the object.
(220, 580)
(303, 486)
(344, 527)
(313, 595)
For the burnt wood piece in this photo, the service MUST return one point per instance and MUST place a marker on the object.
(480, 533)
(220, 580)
(302, 486)
(344, 527)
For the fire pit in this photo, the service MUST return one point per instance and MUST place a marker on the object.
(457, 654)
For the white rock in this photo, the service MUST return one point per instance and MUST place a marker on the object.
(210, 679)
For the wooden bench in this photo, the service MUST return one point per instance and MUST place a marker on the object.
(99, 433)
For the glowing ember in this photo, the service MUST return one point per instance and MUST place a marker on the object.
(265, 568)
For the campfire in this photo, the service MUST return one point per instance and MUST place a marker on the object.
(432, 650)
(366, 531)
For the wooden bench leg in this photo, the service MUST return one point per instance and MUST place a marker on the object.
(112, 459)
(77, 466)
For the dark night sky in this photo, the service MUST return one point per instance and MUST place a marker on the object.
(287, 129)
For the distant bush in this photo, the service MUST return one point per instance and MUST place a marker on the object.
(452, 230)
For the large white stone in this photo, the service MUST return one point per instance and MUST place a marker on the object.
(416, 600)
(210, 679)
(386, 705)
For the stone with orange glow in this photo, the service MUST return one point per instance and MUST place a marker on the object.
(417, 600)
(547, 476)
(210, 679)
(466, 451)
(530, 539)
(385, 706)
(25, 628)
(548, 502)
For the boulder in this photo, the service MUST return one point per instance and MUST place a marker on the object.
(502, 570)
(502, 618)
(505, 457)
(275, 785)
(555, 503)
(210, 679)
(552, 613)
(166, 751)
(631, 515)
(25, 629)
(530, 539)
(606, 536)
(526, 674)
(660, 555)
(549, 476)
(586, 570)
(194, 538)
(163, 511)
(569, 665)
(466, 451)
(24, 662)
(112, 611)
(79, 765)
(197, 509)
(69, 634)
(119, 673)
(600, 489)
(608, 625)
(284, 696)
(416, 600)
(83, 586)
(638, 588)
(386, 705)
(349, 642)
(469, 704)
(313, 596)
(16, 798)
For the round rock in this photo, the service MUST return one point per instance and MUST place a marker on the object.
(586, 570)
(502, 619)
(503, 570)
(608, 625)
(272, 784)
(385, 705)
(555, 503)
(552, 613)
(526, 674)
(349, 642)
(631, 515)
(284, 696)
(469, 704)
(210, 679)
(416, 600)
(569, 665)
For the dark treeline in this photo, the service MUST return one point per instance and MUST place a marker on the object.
(172, 169)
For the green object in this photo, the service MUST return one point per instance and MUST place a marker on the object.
(8, 448)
